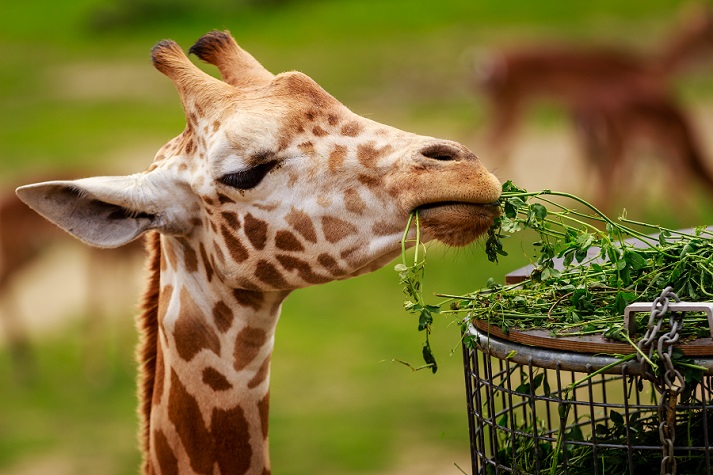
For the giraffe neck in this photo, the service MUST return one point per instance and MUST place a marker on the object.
(210, 392)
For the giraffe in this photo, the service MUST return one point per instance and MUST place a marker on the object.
(273, 185)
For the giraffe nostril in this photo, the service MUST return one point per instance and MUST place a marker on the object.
(441, 152)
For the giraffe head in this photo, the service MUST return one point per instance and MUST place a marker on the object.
(274, 183)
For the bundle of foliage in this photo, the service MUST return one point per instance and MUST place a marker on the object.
(587, 269)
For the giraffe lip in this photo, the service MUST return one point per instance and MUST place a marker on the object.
(441, 204)
(457, 223)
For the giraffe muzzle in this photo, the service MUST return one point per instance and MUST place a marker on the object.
(455, 223)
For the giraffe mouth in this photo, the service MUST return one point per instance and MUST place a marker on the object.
(456, 223)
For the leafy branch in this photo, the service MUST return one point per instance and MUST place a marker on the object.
(411, 278)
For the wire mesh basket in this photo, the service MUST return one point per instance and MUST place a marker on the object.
(527, 417)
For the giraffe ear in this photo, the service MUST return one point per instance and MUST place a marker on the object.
(103, 211)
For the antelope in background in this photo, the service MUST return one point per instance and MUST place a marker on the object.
(615, 98)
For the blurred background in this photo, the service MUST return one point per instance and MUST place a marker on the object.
(79, 97)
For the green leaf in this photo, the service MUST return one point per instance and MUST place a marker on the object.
(623, 299)
(539, 211)
(616, 418)
(512, 205)
(424, 320)
(428, 357)
(663, 236)
(537, 381)
(635, 260)
(568, 258)
(575, 433)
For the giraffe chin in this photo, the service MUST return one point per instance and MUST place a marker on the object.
(457, 224)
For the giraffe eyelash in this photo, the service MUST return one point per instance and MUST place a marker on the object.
(250, 178)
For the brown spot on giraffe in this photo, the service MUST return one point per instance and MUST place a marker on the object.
(224, 200)
(248, 298)
(264, 408)
(191, 332)
(385, 228)
(332, 119)
(171, 256)
(324, 201)
(302, 223)
(304, 270)
(215, 379)
(307, 148)
(370, 181)
(351, 129)
(167, 461)
(337, 157)
(231, 220)
(266, 206)
(163, 300)
(222, 316)
(287, 241)
(331, 264)
(184, 413)
(248, 344)
(237, 251)
(353, 202)
(319, 131)
(368, 154)
(256, 231)
(261, 374)
(292, 180)
(269, 274)
(159, 377)
(206, 263)
(232, 435)
(311, 115)
(190, 259)
(348, 252)
(190, 147)
(336, 229)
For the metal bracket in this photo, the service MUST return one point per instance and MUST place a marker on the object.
(639, 307)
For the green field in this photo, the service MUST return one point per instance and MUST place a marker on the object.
(78, 95)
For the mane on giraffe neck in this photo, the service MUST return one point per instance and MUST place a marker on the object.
(147, 325)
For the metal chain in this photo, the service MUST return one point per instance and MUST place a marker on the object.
(670, 383)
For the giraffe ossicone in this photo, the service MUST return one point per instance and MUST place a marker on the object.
(273, 185)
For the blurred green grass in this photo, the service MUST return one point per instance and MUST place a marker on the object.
(339, 403)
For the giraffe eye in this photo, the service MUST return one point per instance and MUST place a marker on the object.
(250, 178)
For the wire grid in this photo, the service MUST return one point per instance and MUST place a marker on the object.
(517, 399)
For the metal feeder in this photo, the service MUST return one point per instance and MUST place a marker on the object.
(524, 418)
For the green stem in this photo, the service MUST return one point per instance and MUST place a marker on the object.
(653, 365)
(403, 239)
(601, 370)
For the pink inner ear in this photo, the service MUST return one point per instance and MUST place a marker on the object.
(91, 220)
